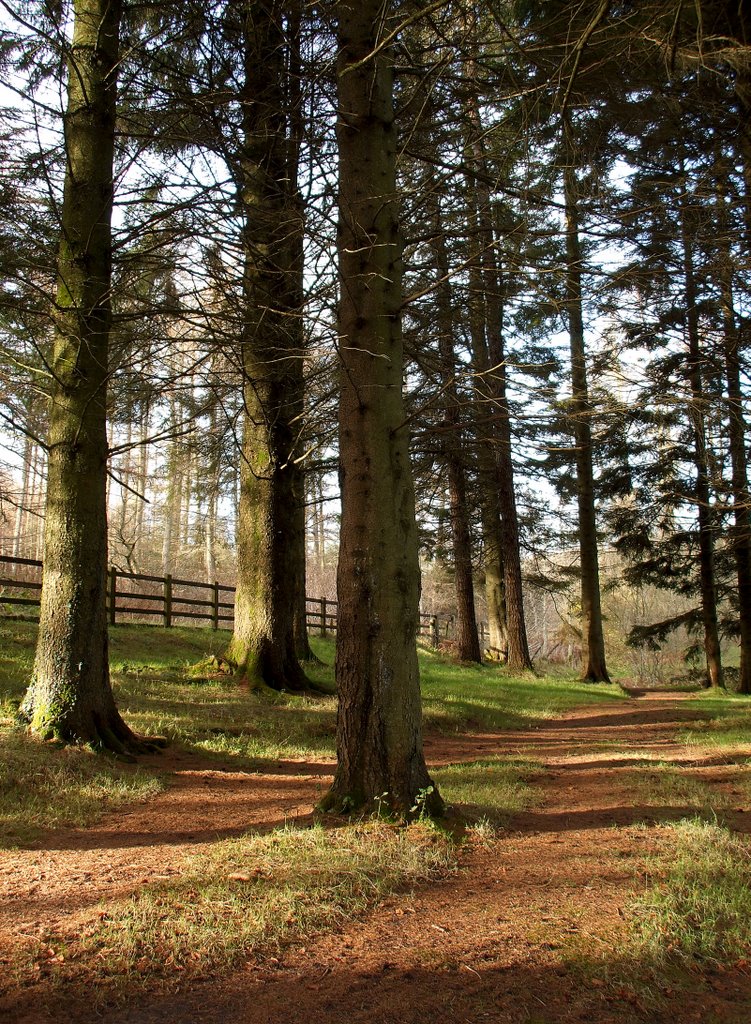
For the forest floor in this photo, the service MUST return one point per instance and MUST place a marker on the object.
(531, 928)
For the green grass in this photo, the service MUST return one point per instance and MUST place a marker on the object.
(242, 896)
(466, 698)
(42, 787)
(698, 901)
(247, 896)
(667, 787)
(160, 691)
(489, 790)
(165, 685)
(727, 723)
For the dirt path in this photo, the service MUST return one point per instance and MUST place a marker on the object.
(524, 932)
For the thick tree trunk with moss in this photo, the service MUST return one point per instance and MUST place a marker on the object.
(296, 118)
(379, 727)
(500, 520)
(594, 668)
(302, 641)
(263, 644)
(487, 463)
(70, 697)
(494, 538)
(741, 535)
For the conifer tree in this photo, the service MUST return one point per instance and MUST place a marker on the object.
(70, 696)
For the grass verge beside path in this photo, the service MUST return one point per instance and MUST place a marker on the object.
(697, 904)
(727, 722)
(249, 896)
(464, 698)
(239, 899)
(43, 787)
(490, 791)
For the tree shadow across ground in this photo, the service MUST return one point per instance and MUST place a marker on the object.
(532, 929)
(499, 984)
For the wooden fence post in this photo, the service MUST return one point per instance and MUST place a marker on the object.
(113, 594)
(168, 600)
(215, 609)
(323, 616)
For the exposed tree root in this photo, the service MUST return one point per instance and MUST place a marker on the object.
(104, 734)
(427, 803)
(267, 671)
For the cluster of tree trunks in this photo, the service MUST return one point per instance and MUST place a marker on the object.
(380, 759)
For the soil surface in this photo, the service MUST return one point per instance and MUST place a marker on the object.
(528, 930)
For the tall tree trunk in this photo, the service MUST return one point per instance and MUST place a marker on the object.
(379, 725)
(467, 640)
(213, 486)
(268, 564)
(297, 241)
(24, 498)
(142, 475)
(39, 487)
(487, 464)
(491, 382)
(302, 642)
(707, 583)
(593, 667)
(741, 535)
(70, 696)
(518, 656)
(173, 497)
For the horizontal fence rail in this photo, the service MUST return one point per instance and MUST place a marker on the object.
(168, 600)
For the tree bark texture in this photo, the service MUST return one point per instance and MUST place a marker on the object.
(379, 727)
(70, 697)
(486, 303)
(268, 536)
(487, 463)
(593, 664)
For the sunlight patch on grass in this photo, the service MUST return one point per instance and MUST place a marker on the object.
(43, 787)
(698, 901)
(727, 725)
(246, 897)
(668, 786)
(223, 718)
(492, 789)
(458, 698)
(164, 685)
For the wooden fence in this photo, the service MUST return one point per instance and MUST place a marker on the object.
(138, 597)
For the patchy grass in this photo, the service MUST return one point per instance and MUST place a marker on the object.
(244, 897)
(165, 686)
(465, 698)
(727, 723)
(698, 900)
(42, 787)
(489, 790)
(668, 787)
